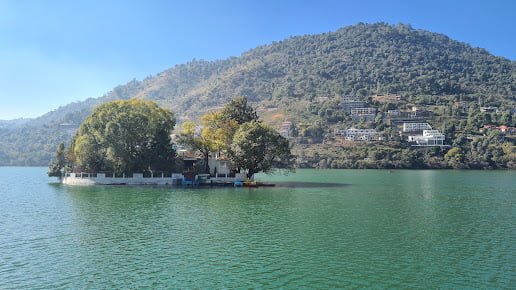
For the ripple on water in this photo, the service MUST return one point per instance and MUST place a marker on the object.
(373, 230)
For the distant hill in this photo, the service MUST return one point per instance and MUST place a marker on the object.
(363, 59)
(13, 123)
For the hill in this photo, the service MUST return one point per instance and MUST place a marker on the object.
(290, 76)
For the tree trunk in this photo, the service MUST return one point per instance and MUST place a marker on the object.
(206, 166)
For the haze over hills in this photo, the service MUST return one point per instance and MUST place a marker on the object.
(362, 60)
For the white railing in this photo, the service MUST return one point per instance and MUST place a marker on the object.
(136, 178)
(139, 179)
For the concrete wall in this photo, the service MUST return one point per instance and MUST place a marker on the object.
(221, 170)
(137, 179)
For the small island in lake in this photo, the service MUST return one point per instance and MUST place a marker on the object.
(131, 142)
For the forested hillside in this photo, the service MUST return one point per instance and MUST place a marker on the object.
(365, 59)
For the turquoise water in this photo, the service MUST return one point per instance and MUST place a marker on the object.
(398, 229)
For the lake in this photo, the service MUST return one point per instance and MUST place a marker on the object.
(316, 229)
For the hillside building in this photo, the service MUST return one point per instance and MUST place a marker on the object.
(353, 134)
(489, 109)
(429, 138)
(363, 113)
(386, 98)
(393, 113)
(350, 102)
(416, 113)
(285, 129)
(415, 127)
(503, 129)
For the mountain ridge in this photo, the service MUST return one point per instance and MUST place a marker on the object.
(362, 59)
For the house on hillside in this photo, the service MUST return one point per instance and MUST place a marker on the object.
(507, 130)
(415, 127)
(393, 113)
(353, 134)
(417, 111)
(429, 138)
(350, 102)
(285, 129)
(489, 109)
(363, 113)
(381, 98)
(503, 129)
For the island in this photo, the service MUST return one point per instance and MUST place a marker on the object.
(131, 142)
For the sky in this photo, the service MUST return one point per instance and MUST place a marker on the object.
(56, 52)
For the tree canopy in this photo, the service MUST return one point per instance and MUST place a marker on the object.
(237, 132)
(257, 147)
(198, 140)
(55, 168)
(238, 110)
(124, 136)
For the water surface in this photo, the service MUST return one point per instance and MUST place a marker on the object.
(316, 229)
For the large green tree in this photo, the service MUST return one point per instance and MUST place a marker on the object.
(219, 129)
(197, 140)
(240, 111)
(259, 148)
(124, 136)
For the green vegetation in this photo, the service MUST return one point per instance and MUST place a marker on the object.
(58, 164)
(236, 132)
(124, 137)
(257, 147)
(482, 152)
(197, 142)
(239, 111)
(134, 136)
(294, 75)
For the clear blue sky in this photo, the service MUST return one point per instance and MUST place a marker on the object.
(56, 52)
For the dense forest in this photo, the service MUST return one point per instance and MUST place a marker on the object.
(292, 75)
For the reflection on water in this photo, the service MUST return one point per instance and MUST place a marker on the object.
(300, 184)
(315, 229)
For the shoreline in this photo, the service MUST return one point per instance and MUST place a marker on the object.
(346, 168)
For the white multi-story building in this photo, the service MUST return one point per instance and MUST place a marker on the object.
(350, 102)
(416, 127)
(429, 138)
(363, 111)
(353, 134)
(339, 132)
(489, 109)
(393, 113)
(285, 129)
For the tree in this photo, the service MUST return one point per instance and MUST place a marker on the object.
(197, 141)
(125, 136)
(257, 147)
(219, 129)
(56, 167)
(240, 111)
(455, 158)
